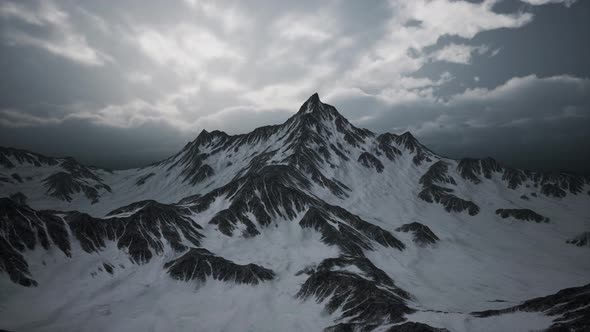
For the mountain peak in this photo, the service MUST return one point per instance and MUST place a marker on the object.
(315, 97)
(312, 104)
(315, 110)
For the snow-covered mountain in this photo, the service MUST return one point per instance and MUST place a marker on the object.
(309, 225)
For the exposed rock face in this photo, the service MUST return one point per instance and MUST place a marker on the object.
(372, 299)
(347, 231)
(437, 173)
(22, 157)
(423, 236)
(552, 190)
(142, 179)
(386, 147)
(21, 229)
(570, 306)
(410, 143)
(108, 267)
(272, 192)
(414, 327)
(63, 185)
(552, 184)
(75, 178)
(61, 177)
(369, 161)
(451, 203)
(403, 327)
(470, 169)
(145, 231)
(198, 264)
(279, 192)
(582, 240)
(522, 214)
(151, 226)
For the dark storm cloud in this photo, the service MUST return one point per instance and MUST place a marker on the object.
(133, 82)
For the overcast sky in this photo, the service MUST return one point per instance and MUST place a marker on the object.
(123, 83)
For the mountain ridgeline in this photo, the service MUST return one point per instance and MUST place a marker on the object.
(368, 199)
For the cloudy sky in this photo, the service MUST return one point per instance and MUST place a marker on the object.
(123, 83)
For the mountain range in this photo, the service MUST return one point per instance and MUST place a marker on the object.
(313, 224)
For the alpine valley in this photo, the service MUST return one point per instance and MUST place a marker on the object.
(310, 225)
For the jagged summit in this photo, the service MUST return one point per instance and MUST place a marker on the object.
(316, 110)
(312, 104)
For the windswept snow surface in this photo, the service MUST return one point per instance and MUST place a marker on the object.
(310, 199)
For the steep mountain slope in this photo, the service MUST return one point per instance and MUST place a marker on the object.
(308, 225)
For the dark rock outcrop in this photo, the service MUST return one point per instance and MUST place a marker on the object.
(362, 301)
(522, 214)
(570, 306)
(552, 190)
(444, 196)
(431, 192)
(63, 185)
(142, 179)
(75, 178)
(150, 227)
(580, 240)
(274, 191)
(108, 267)
(553, 184)
(410, 143)
(369, 161)
(423, 236)
(414, 327)
(385, 146)
(470, 169)
(142, 230)
(347, 231)
(280, 191)
(22, 229)
(198, 264)
(23, 157)
(350, 327)
(437, 172)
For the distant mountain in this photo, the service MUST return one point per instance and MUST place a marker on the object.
(313, 224)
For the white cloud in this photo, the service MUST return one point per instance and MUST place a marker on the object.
(230, 17)
(495, 52)
(461, 18)
(518, 102)
(458, 53)
(389, 58)
(139, 78)
(526, 86)
(567, 3)
(314, 28)
(64, 40)
(186, 48)
(15, 119)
